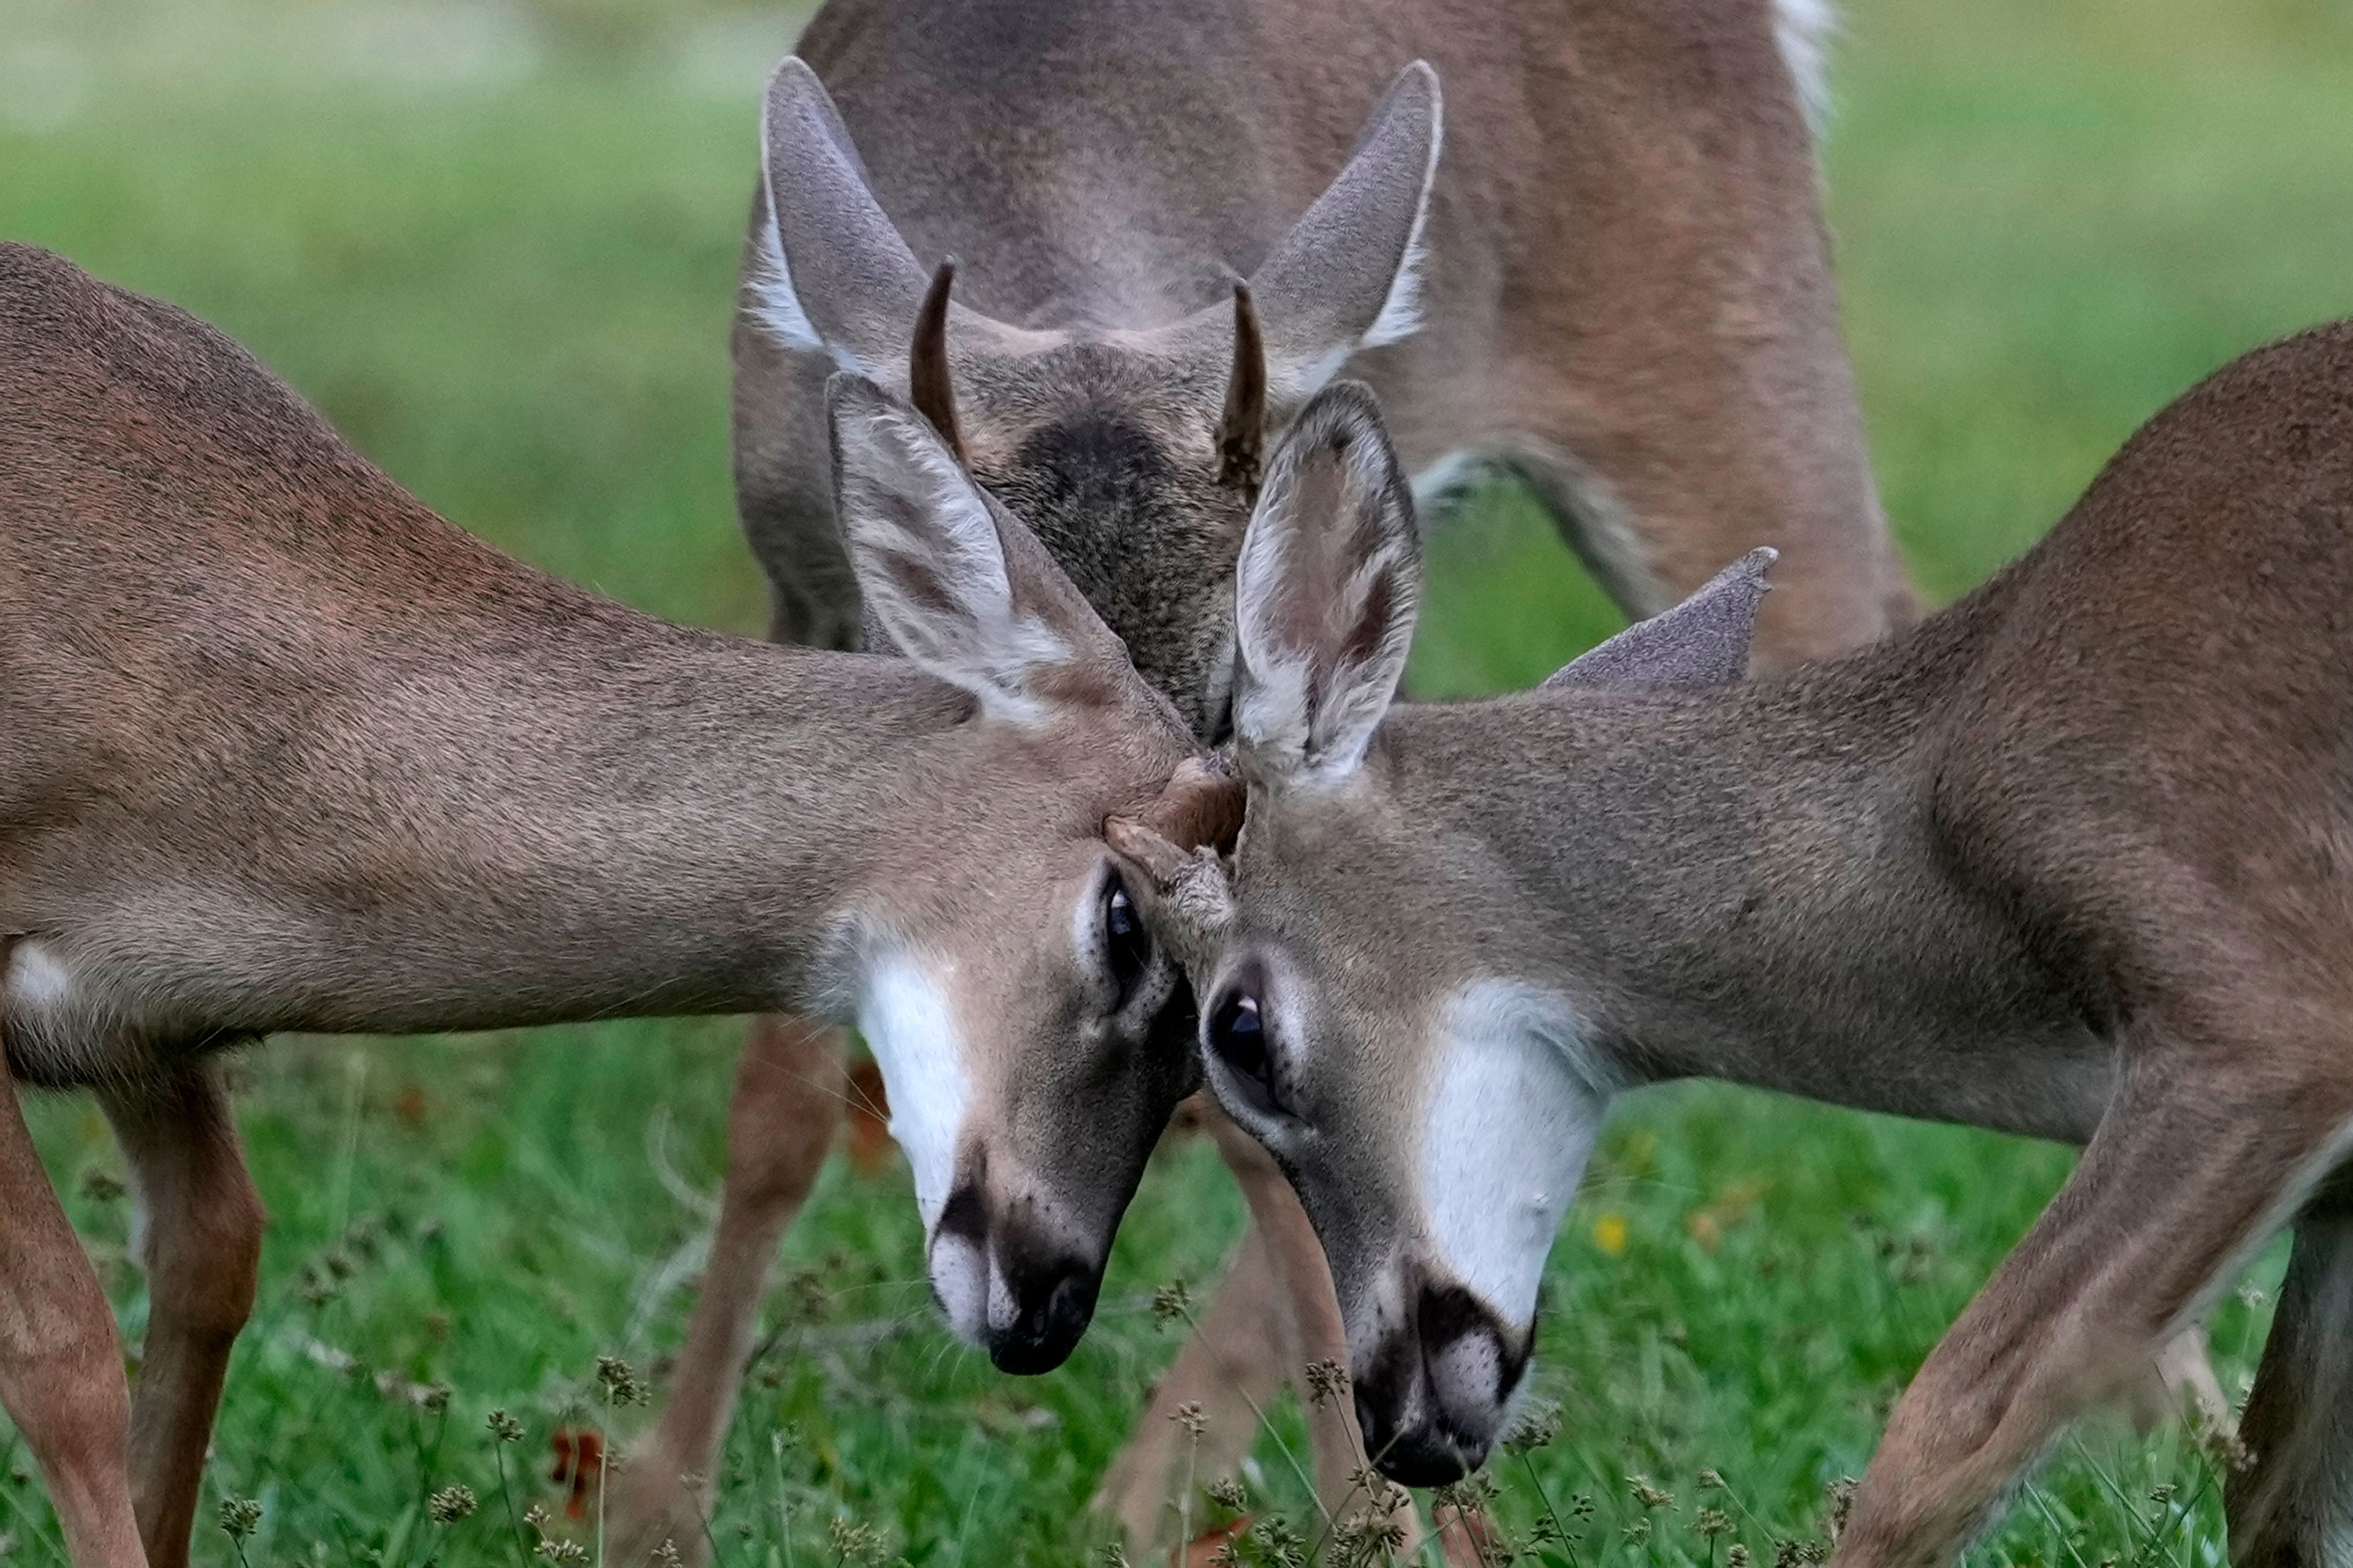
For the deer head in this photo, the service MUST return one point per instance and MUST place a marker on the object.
(1435, 1118)
(1133, 449)
(1032, 1037)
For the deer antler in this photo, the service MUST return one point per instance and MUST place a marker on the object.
(1178, 840)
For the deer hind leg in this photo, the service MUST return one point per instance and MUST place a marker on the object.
(199, 1240)
(60, 1360)
(1275, 1314)
(1237, 1355)
(780, 1125)
(2293, 1506)
(2179, 1181)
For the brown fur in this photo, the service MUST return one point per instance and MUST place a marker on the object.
(287, 750)
(2068, 859)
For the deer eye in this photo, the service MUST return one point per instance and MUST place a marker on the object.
(1127, 946)
(1238, 1039)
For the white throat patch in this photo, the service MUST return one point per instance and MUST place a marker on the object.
(904, 1015)
(35, 977)
(1515, 1106)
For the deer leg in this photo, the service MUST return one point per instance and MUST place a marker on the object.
(2293, 1506)
(2177, 1184)
(199, 1240)
(1310, 1307)
(60, 1360)
(1236, 1354)
(780, 1126)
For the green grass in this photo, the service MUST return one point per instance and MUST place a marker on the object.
(497, 246)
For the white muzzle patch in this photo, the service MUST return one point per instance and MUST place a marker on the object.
(909, 1025)
(1514, 1108)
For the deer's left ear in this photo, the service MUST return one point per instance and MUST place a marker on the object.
(957, 584)
(1324, 594)
(1702, 642)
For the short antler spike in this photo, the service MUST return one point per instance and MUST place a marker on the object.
(1241, 433)
(929, 386)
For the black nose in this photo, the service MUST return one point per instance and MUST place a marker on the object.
(1429, 1398)
(1052, 1304)
(1406, 1445)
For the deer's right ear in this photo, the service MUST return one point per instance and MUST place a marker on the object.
(1324, 594)
(959, 588)
(1702, 642)
(837, 276)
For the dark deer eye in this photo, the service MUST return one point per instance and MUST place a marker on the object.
(1126, 945)
(1237, 1036)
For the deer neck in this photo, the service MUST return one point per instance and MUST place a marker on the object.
(477, 815)
(1755, 885)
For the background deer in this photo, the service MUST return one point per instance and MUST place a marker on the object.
(1610, 280)
(286, 751)
(2073, 858)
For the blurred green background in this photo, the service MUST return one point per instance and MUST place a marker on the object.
(496, 244)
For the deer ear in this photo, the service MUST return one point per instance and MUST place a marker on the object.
(1324, 594)
(836, 276)
(959, 585)
(1702, 642)
(1349, 274)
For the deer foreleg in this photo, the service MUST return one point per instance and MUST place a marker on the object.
(199, 1240)
(2175, 1188)
(60, 1360)
(780, 1125)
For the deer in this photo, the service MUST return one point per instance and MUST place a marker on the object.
(1608, 276)
(2071, 859)
(287, 750)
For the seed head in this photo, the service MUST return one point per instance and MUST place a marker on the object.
(1648, 1495)
(1534, 1427)
(1712, 1523)
(1638, 1531)
(1170, 1302)
(450, 1505)
(854, 1541)
(620, 1384)
(1711, 1481)
(1113, 1556)
(1228, 1493)
(1192, 1418)
(1327, 1380)
(666, 1555)
(504, 1427)
(1841, 1493)
(239, 1516)
(562, 1551)
(1280, 1546)
(1736, 1556)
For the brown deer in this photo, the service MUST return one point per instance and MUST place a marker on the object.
(2073, 858)
(1607, 276)
(286, 751)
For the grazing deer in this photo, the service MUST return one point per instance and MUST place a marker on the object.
(1610, 281)
(286, 751)
(2073, 858)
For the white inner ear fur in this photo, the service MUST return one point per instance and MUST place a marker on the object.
(1400, 314)
(978, 641)
(1802, 29)
(775, 303)
(1309, 723)
(907, 1022)
(1515, 1102)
